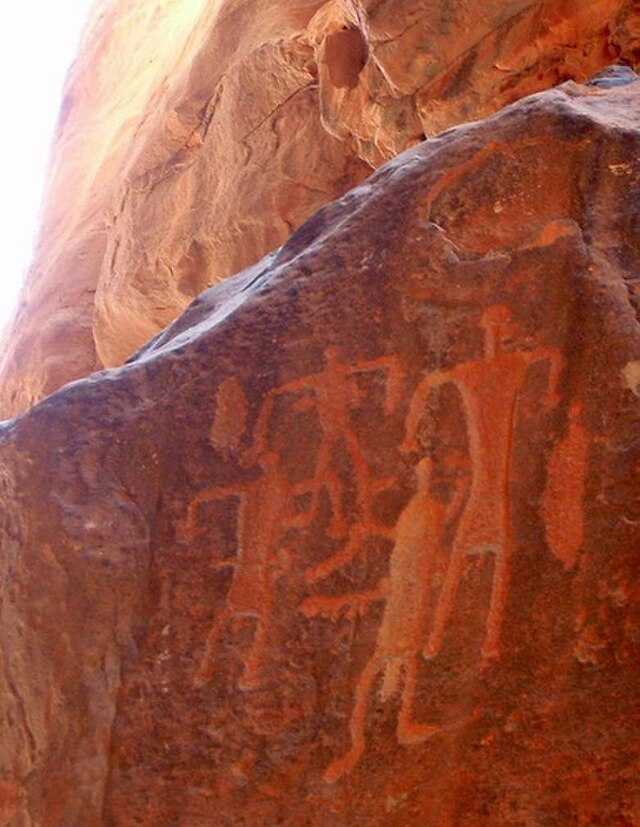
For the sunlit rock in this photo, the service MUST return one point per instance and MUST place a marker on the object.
(196, 136)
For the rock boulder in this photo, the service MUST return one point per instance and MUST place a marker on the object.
(355, 540)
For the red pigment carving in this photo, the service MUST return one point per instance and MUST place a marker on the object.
(564, 494)
(331, 393)
(489, 388)
(265, 514)
(417, 536)
(267, 505)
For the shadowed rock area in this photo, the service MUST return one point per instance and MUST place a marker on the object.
(197, 135)
(355, 540)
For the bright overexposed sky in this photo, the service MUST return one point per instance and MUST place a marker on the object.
(39, 44)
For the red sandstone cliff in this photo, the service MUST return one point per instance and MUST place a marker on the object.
(196, 136)
(355, 541)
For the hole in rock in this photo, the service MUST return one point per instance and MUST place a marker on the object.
(345, 55)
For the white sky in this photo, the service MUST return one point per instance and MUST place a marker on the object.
(39, 44)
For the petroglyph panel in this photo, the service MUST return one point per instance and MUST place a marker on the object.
(380, 503)
(271, 506)
(477, 512)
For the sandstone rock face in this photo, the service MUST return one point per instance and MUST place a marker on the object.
(196, 136)
(355, 541)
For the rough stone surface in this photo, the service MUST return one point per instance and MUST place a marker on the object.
(196, 136)
(355, 541)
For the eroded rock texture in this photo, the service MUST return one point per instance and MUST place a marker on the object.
(196, 136)
(355, 541)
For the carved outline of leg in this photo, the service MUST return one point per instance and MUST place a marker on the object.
(357, 726)
(408, 730)
(499, 593)
(361, 472)
(206, 669)
(253, 665)
(325, 478)
(447, 596)
(330, 606)
(502, 564)
(250, 677)
(337, 525)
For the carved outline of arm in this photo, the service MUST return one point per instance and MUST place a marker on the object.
(416, 408)
(189, 524)
(261, 428)
(556, 366)
(394, 374)
(458, 500)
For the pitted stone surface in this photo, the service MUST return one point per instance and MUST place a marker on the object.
(356, 539)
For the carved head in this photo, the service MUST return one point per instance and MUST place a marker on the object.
(499, 327)
(332, 353)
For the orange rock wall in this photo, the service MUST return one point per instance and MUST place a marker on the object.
(196, 136)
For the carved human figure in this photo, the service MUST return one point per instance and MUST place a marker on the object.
(417, 538)
(489, 388)
(267, 508)
(479, 513)
(266, 512)
(331, 394)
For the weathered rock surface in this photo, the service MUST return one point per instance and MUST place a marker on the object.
(355, 541)
(196, 136)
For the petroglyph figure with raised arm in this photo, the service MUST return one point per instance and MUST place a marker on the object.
(330, 395)
(266, 512)
(489, 388)
(477, 516)
(267, 508)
